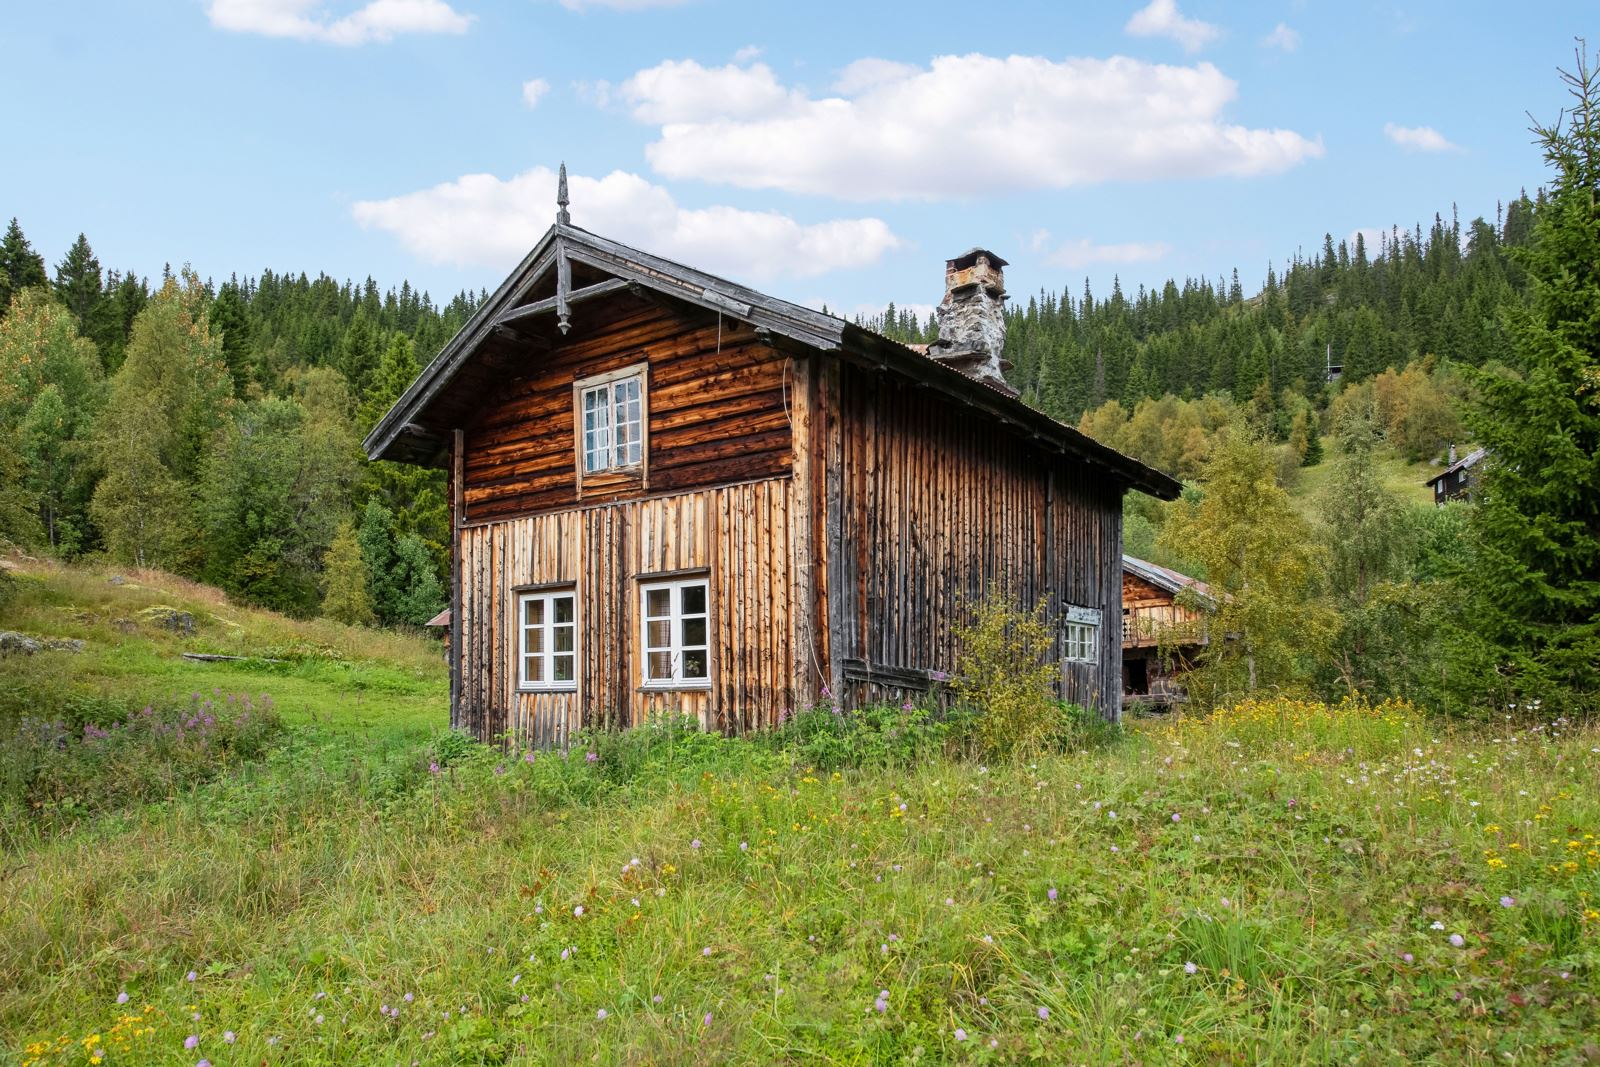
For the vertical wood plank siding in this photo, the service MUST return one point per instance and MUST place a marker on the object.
(738, 535)
(936, 504)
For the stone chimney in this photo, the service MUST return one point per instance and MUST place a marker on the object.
(972, 322)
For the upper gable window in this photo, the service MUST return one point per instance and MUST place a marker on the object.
(611, 420)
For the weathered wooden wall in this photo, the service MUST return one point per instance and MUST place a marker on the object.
(1150, 614)
(738, 536)
(927, 505)
(716, 410)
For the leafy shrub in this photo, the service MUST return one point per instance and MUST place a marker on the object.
(56, 768)
(1005, 672)
(875, 736)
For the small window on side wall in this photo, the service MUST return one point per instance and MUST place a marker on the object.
(547, 640)
(611, 421)
(676, 638)
(1080, 635)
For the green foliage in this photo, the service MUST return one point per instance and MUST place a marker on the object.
(1259, 558)
(20, 266)
(345, 580)
(402, 581)
(60, 771)
(877, 736)
(1006, 672)
(1532, 629)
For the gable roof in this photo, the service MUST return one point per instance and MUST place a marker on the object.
(408, 434)
(1466, 462)
(1165, 578)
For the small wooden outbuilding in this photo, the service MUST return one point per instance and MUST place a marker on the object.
(1163, 630)
(673, 493)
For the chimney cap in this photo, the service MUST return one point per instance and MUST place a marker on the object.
(970, 256)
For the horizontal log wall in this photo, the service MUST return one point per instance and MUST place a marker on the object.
(934, 504)
(717, 410)
(739, 536)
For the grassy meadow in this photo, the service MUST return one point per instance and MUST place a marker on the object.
(1286, 883)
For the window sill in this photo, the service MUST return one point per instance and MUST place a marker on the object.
(674, 687)
(535, 689)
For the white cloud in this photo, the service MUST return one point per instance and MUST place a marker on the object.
(971, 125)
(747, 53)
(305, 20)
(1083, 252)
(483, 220)
(533, 90)
(683, 91)
(1418, 138)
(1372, 237)
(1283, 37)
(1161, 18)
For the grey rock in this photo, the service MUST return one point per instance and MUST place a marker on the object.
(972, 318)
(180, 622)
(15, 644)
(117, 579)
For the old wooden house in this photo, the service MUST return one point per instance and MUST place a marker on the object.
(1164, 629)
(674, 493)
(1459, 479)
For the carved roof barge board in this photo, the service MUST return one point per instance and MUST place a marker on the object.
(403, 433)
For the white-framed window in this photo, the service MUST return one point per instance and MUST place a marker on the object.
(676, 620)
(1080, 635)
(611, 421)
(547, 639)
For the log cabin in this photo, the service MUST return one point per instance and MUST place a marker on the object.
(671, 493)
(1164, 629)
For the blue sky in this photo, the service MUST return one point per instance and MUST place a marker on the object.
(826, 152)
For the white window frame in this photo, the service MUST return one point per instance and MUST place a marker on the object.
(675, 646)
(547, 652)
(611, 392)
(1080, 635)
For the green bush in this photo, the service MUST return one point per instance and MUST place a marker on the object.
(1006, 674)
(875, 736)
(70, 765)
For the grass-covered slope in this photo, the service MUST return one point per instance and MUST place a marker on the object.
(1287, 883)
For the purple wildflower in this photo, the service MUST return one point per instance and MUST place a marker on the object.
(961, 1035)
(122, 998)
(695, 843)
(529, 757)
(601, 1014)
(191, 976)
(1176, 817)
(1044, 1013)
(192, 1041)
(1457, 940)
(1508, 902)
(707, 1020)
(1190, 967)
(1051, 893)
(433, 767)
(203, 1063)
(591, 757)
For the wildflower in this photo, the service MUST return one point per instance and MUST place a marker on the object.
(601, 1014)
(229, 1037)
(961, 1035)
(529, 757)
(1178, 1040)
(1408, 957)
(1190, 968)
(122, 998)
(880, 1005)
(1508, 902)
(191, 976)
(707, 1020)
(1436, 925)
(433, 767)
(706, 951)
(656, 999)
(1176, 817)
(744, 846)
(591, 757)
(408, 998)
(192, 1041)
(499, 770)
(1051, 893)
(516, 978)
(1457, 940)
(695, 843)
(318, 1019)
(907, 706)
(578, 911)
(1044, 1014)
(203, 1063)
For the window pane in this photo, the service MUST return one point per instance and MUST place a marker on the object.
(694, 664)
(563, 668)
(694, 599)
(694, 632)
(533, 638)
(563, 608)
(658, 634)
(660, 666)
(658, 603)
(533, 611)
(563, 639)
(531, 668)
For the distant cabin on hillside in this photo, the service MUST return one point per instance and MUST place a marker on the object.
(1161, 637)
(672, 493)
(1459, 480)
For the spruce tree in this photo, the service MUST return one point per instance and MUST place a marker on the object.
(1534, 629)
(20, 266)
(78, 283)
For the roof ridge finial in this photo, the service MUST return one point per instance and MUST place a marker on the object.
(563, 218)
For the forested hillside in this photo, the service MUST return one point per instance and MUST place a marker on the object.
(214, 430)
